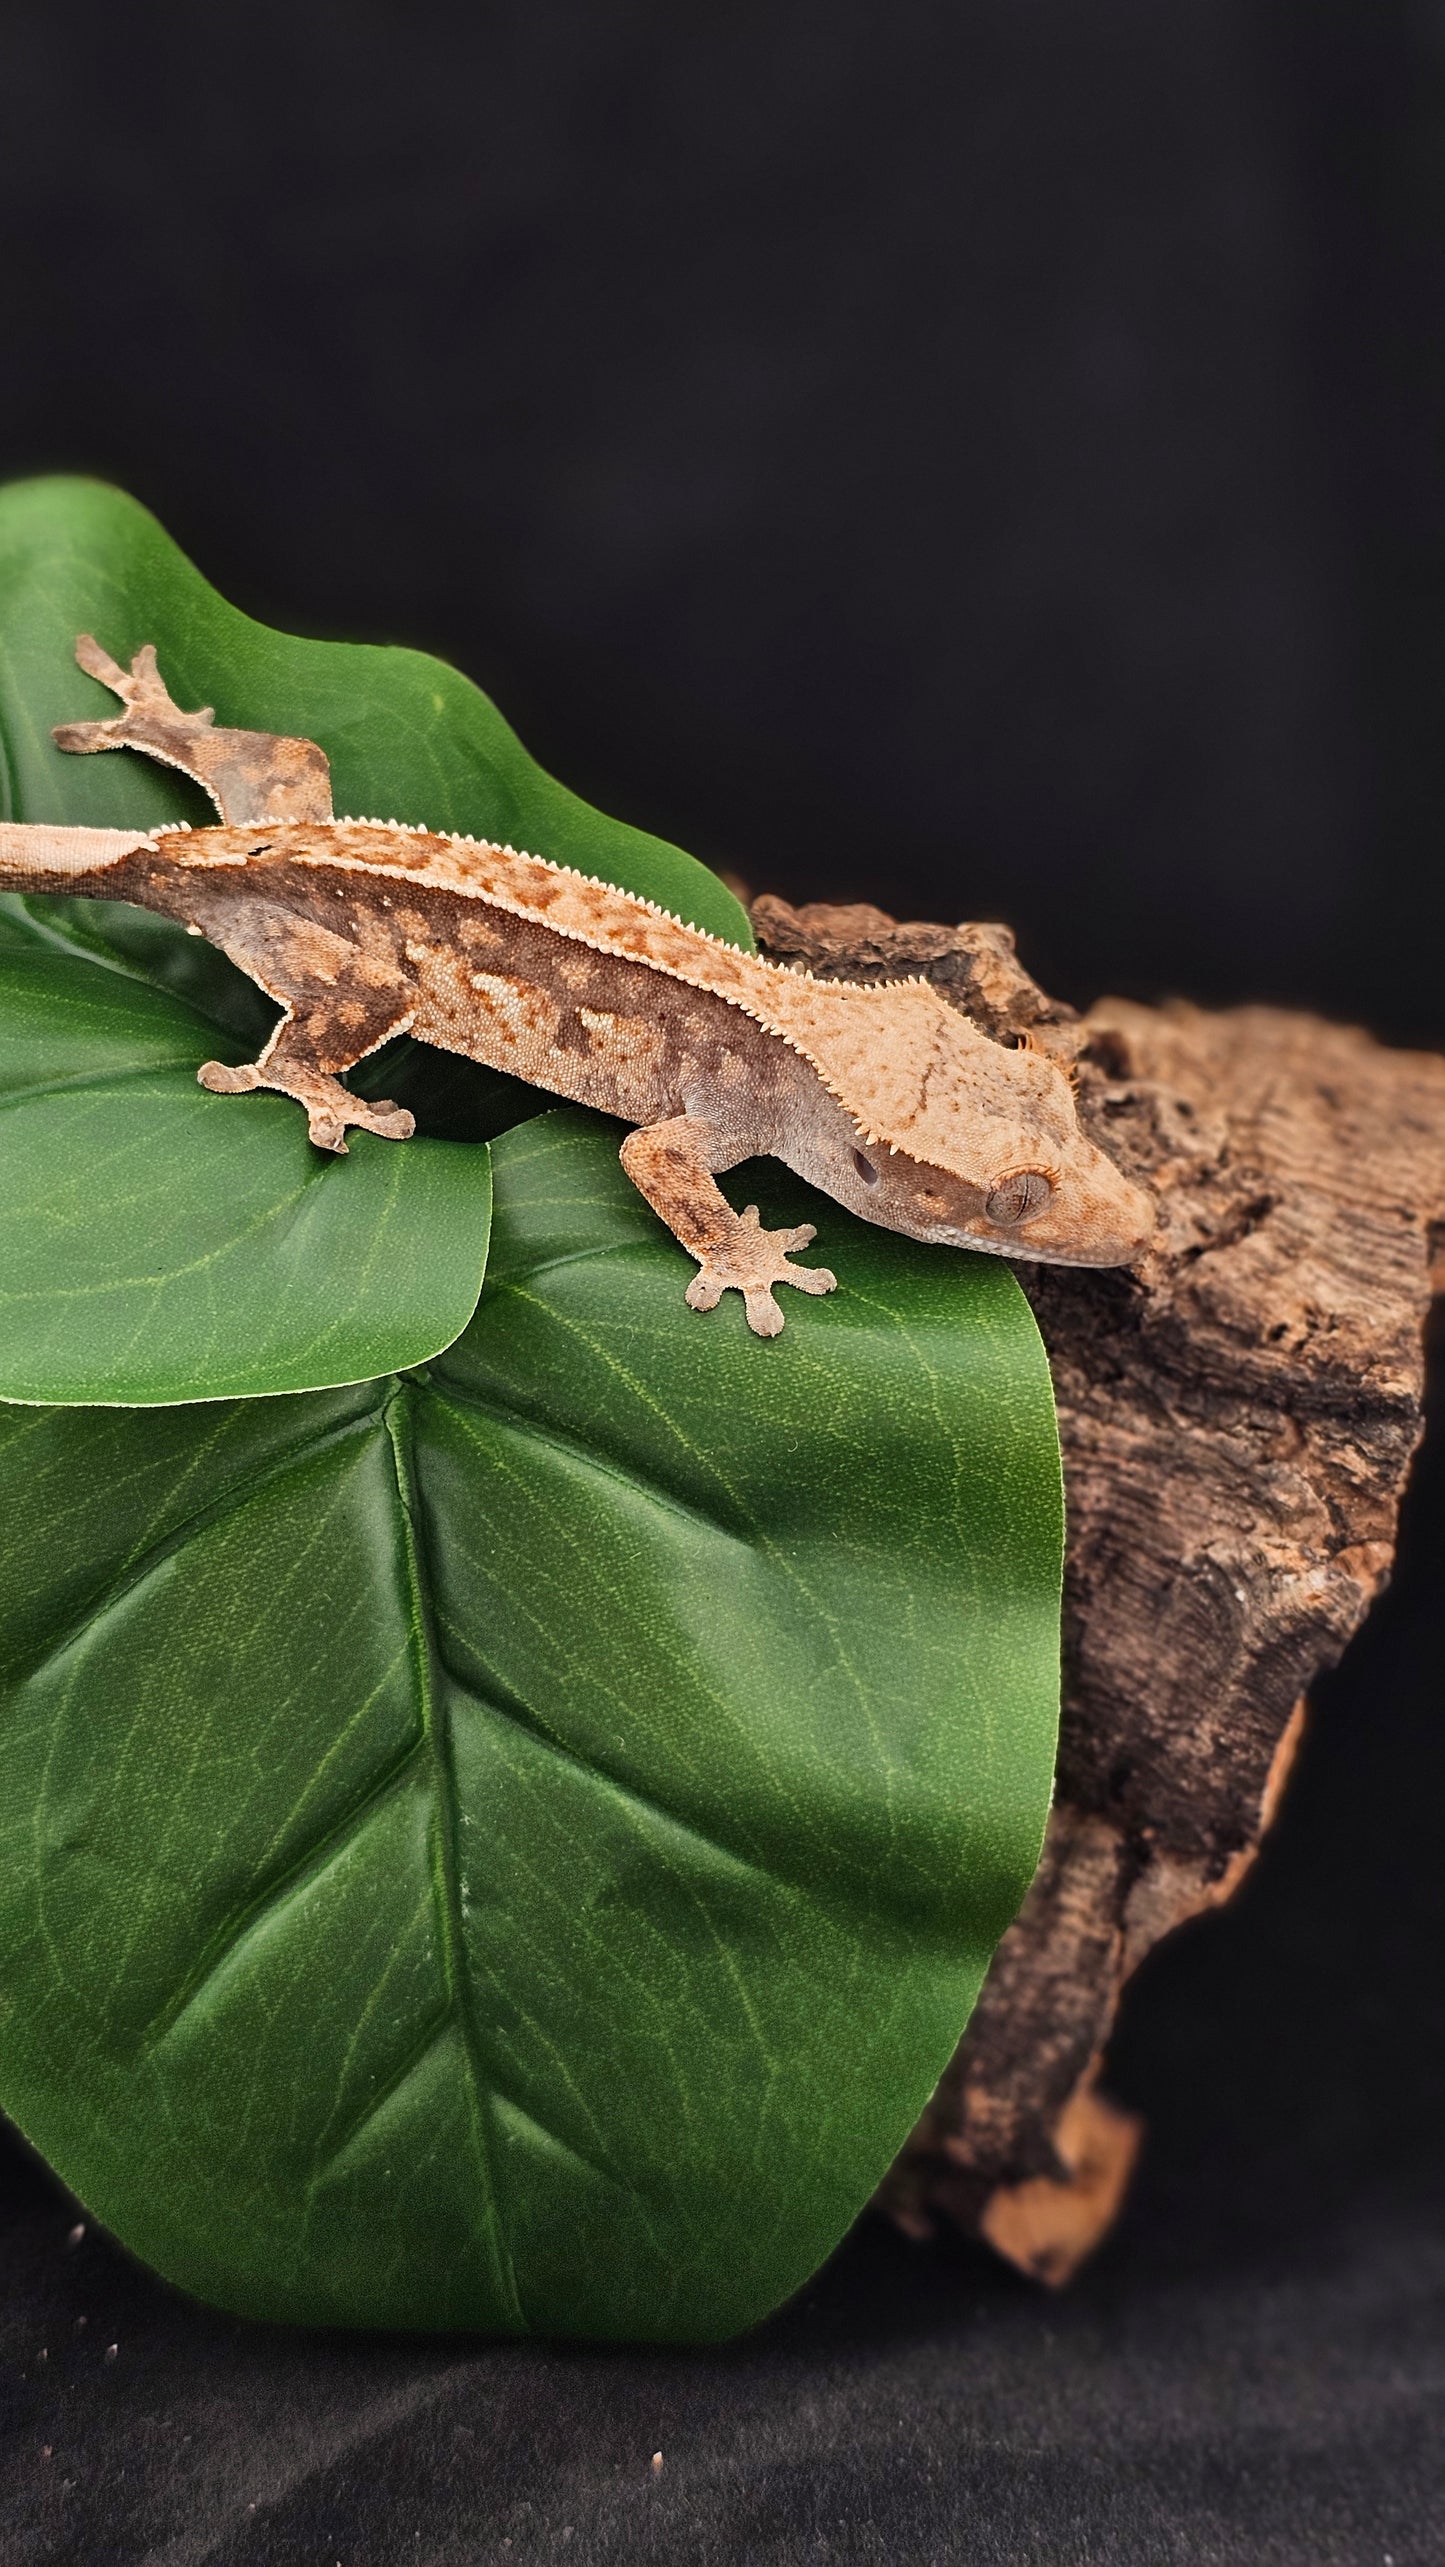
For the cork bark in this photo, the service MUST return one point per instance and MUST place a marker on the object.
(1238, 1415)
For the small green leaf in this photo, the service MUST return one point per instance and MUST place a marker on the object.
(159, 1245)
(513, 1846)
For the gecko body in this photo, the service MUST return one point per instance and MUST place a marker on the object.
(885, 1098)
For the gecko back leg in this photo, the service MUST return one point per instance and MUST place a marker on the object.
(341, 1005)
(249, 775)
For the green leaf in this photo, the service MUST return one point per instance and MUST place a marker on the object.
(512, 1841)
(158, 1246)
(513, 1846)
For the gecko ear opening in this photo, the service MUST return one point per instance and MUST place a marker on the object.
(865, 1168)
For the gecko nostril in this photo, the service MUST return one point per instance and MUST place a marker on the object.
(865, 1168)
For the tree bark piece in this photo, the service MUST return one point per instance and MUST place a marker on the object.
(1238, 1415)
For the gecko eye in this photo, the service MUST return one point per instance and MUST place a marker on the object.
(1018, 1197)
(865, 1168)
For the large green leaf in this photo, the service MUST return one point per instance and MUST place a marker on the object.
(159, 1245)
(514, 1845)
(512, 1842)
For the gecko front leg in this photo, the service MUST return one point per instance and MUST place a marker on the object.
(671, 1164)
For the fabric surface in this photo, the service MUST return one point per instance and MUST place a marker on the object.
(1280, 2408)
(1253, 2369)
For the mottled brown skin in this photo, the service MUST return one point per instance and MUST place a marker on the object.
(884, 1098)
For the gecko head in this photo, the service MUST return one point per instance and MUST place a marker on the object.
(1069, 1207)
(986, 1151)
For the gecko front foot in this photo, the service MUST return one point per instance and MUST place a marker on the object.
(330, 1107)
(750, 1260)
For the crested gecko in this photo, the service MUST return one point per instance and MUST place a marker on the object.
(885, 1098)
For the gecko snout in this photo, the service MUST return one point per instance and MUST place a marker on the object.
(1097, 1217)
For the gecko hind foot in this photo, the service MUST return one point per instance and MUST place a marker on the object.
(249, 775)
(151, 720)
(330, 1108)
(750, 1261)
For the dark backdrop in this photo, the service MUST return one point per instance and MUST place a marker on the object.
(986, 457)
(986, 454)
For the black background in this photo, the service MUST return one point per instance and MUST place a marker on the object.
(988, 458)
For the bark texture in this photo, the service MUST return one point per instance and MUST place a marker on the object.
(1238, 1415)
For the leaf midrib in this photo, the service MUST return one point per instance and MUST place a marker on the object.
(446, 1880)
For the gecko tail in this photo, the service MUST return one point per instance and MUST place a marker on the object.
(40, 856)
